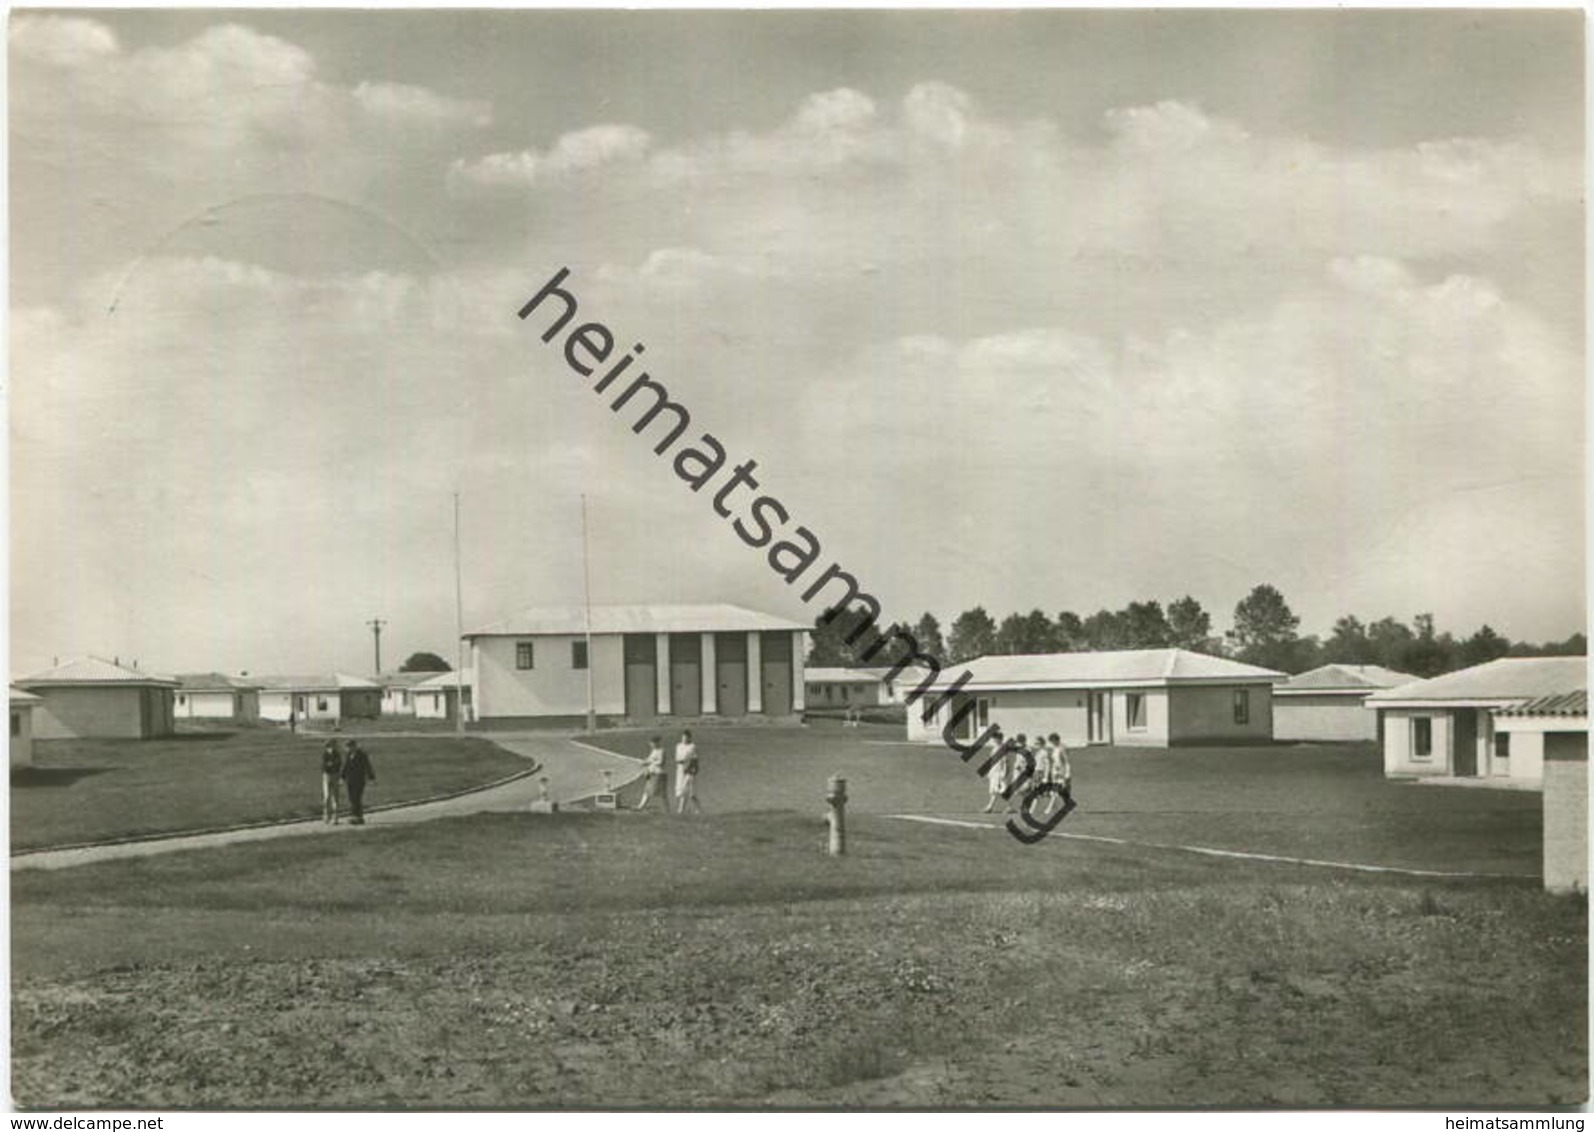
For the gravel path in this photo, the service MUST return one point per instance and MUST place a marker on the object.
(573, 771)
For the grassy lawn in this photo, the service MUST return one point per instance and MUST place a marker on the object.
(576, 960)
(1321, 801)
(87, 790)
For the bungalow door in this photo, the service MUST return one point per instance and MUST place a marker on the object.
(1464, 740)
(641, 676)
(1098, 717)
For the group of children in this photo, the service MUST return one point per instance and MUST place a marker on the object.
(685, 775)
(344, 767)
(1051, 766)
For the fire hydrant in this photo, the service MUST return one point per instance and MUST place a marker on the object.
(836, 796)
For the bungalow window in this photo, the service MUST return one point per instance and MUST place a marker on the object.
(1242, 706)
(524, 657)
(16, 724)
(182, 700)
(844, 693)
(321, 703)
(1135, 710)
(578, 654)
(1422, 738)
(1502, 746)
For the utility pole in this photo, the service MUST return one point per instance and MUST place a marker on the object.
(459, 631)
(376, 624)
(586, 597)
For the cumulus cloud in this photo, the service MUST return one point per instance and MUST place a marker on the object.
(64, 41)
(576, 152)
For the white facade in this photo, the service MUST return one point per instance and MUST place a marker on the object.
(435, 697)
(1323, 717)
(1566, 813)
(23, 705)
(842, 688)
(1467, 724)
(318, 699)
(214, 696)
(637, 663)
(1130, 698)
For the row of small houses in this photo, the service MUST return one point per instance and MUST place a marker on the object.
(1518, 721)
(648, 662)
(92, 698)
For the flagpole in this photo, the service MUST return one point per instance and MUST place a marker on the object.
(586, 588)
(459, 633)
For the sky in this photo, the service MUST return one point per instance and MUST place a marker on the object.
(1056, 309)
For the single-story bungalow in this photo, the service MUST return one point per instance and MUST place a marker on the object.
(645, 662)
(842, 688)
(1559, 724)
(23, 705)
(335, 697)
(1325, 704)
(1132, 697)
(398, 690)
(210, 695)
(437, 697)
(91, 698)
(1450, 726)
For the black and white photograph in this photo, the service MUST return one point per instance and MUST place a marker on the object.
(790, 560)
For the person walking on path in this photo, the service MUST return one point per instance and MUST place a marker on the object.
(357, 771)
(686, 774)
(1063, 776)
(996, 776)
(656, 783)
(331, 781)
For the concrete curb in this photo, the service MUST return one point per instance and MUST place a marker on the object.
(143, 838)
(586, 798)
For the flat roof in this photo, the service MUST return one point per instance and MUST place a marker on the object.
(571, 620)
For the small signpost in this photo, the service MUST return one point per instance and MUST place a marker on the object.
(608, 799)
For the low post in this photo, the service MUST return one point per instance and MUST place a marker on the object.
(836, 796)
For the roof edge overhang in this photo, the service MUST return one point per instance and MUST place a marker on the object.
(1098, 685)
(146, 682)
(1470, 702)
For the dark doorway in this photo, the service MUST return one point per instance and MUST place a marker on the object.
(1464, 741)
(730, 672)
(686, 674)
(641, 676)
(775, 658)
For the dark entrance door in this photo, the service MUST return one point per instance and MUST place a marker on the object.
(775, 657)
(1099, 718)
(686, 674)
(641, 676)
(730, 672)
(1465, 742)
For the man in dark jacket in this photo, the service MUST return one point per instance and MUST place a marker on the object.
(357, 771)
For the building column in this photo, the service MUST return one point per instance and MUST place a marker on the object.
(755, 674)
(661, 670)
(798, 701)
(709, 666)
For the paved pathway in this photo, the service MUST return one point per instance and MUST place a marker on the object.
(573, 771)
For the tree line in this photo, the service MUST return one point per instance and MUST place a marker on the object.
(1265, 632)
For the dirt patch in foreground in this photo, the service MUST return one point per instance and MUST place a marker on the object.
(939, 1000)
